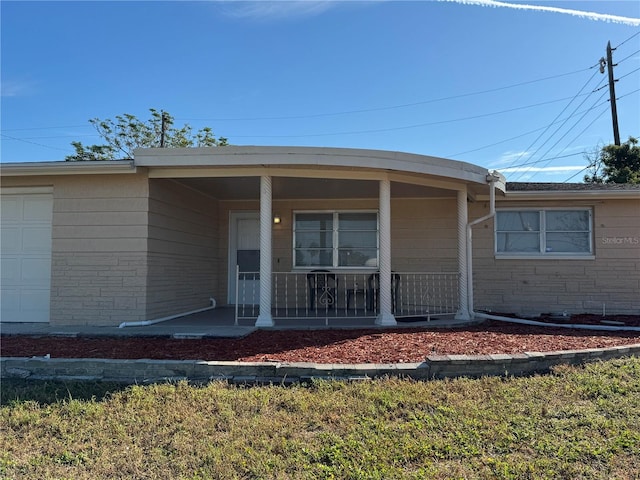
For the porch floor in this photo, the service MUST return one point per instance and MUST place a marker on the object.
(218, 323)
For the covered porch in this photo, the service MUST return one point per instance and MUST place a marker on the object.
(276, 260)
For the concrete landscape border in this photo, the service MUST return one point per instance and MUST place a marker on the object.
(145, 371)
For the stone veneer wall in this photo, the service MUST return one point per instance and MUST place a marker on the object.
(99, 249)
(546, 285)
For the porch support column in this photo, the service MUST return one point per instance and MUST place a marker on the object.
(264, 318)
(385, 317)
(463, 279)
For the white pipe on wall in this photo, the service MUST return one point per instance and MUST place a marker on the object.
(145, 323)
(492, 178)
(522, 321)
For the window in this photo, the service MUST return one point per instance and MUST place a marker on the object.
(550, 232)
(335, 239)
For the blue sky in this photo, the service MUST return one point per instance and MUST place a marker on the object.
(513, 89)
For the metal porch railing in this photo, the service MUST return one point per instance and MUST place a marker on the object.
(326, 295)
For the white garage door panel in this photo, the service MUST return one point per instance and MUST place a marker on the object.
(10, 300)
(11, 209)
(35, 300)
(28, 306)
(36, 271)
(26, 257)
(11, 239)
(10, 267)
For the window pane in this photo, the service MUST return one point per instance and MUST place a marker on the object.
(314, 221)
(567, 220)
(314, 258)
(358, 239)
(357, 257)
(525, 221)
(358, 221)
(568, 242)
(314, 239)
(518, 242)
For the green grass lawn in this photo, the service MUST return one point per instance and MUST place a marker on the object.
(579, 422)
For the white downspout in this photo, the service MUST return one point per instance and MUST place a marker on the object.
(492, 178)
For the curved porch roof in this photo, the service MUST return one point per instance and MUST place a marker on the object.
(315, 165)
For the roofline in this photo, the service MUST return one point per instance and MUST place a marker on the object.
(67, 168)
(571, 195)
(389, 161)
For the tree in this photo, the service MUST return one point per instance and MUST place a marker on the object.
(618, 164)
(127, 133)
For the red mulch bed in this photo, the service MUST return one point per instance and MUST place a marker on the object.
(328, 346)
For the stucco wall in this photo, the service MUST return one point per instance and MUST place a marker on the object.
(98, 247)
(534, 286)
(183, 249)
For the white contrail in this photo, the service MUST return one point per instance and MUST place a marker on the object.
(605, 17)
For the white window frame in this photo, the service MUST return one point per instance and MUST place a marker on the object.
(543, 254)
(336, 241)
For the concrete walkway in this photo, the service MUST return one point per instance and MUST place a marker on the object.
(218, 323)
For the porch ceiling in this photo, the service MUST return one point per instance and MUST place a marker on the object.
(287, 188)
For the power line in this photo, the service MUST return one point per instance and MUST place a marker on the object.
(391, 107)
(602, 113)
(627, 74)
(558, 157)
(583, 112)
(577, 173)
(627, 57)
(565, 134)
(33, 143)
(406, 127)
(579, 134)
(630, 93)
(453, 155)
(554, 121)
(60, 136)
(625, 41)
(41, 128)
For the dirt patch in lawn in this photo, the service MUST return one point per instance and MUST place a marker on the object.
(328, 346)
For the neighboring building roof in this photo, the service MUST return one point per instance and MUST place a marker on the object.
(558, 187)
(566, 191)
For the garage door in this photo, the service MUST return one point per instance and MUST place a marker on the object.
(25, 250)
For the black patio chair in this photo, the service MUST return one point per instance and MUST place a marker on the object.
(323, 287)
(373, 291)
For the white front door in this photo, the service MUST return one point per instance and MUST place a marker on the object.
(25, 254)
(244, 254)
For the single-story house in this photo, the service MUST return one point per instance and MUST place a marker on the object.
(300, 231)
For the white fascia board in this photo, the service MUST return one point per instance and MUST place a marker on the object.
(313, 156)
(67, 168)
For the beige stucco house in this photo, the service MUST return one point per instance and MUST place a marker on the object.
(294, 231)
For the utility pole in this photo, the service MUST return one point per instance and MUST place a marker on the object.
(612, 91)
(163, 127)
